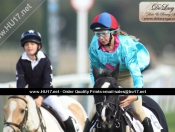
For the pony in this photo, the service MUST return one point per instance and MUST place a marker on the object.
(110, 117)
(22, 114)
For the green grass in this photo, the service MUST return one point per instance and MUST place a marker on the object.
(170, 117)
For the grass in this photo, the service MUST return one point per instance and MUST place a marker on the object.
(170, 117)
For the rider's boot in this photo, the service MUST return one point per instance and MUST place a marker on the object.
(147, 125)
(87, 125)
(69, 123)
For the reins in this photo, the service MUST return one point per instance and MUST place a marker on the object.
(117, 117)
(21, 125)
(43, 128)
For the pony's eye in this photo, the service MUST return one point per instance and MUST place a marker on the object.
(22, 111)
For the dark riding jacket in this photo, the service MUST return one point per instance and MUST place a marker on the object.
(37, 74)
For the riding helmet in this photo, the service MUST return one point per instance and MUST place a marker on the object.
(31, 35)
(104, 21)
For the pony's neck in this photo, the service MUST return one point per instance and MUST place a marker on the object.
(33, 119)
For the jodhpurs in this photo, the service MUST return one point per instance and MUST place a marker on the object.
(55, 103)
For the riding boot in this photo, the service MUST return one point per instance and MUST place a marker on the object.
(147, 125)
(87, 125)
(69, 123)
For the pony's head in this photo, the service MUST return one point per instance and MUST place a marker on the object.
(107, 109)
(16, 113)
(107, 106)
(106, 79)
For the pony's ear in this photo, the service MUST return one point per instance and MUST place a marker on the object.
(27, 86)
(115, 73)
(10, 86)
(95, 72)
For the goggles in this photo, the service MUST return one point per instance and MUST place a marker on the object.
(104, 33)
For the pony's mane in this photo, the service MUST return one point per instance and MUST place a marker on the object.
(22, 96)
(106, 74)
(26, 97)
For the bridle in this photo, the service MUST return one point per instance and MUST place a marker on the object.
(117, 114)
(21, 125)
(106, 77)
(117, 110)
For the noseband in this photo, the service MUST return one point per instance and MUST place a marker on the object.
(24, 119)
(20, 126)
(117, 115)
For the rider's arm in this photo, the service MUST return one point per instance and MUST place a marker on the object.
(133, 66)
(20, 76)
(135, 72)
(39, 101)
(91, 72)
(93, 62)
(47, 76)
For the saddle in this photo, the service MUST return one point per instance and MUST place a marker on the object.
(55, 114)
(129, 110)
(131, 113)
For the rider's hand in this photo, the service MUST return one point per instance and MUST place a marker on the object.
(39, 101)
(128, 100)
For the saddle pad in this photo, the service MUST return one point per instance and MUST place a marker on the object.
(154, 121)
(54, 114)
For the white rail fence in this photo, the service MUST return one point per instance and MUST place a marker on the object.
(71, 81)
(161, 77)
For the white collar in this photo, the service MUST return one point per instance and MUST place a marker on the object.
(40, 55)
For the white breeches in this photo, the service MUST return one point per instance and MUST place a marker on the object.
(55, 103)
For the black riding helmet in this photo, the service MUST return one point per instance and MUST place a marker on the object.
(31, 36)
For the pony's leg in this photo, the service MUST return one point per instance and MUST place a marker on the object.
(92, 113)
(87, 122)
(65, 114)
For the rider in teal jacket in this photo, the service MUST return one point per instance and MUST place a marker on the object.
(111, 46)
(130, 53)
